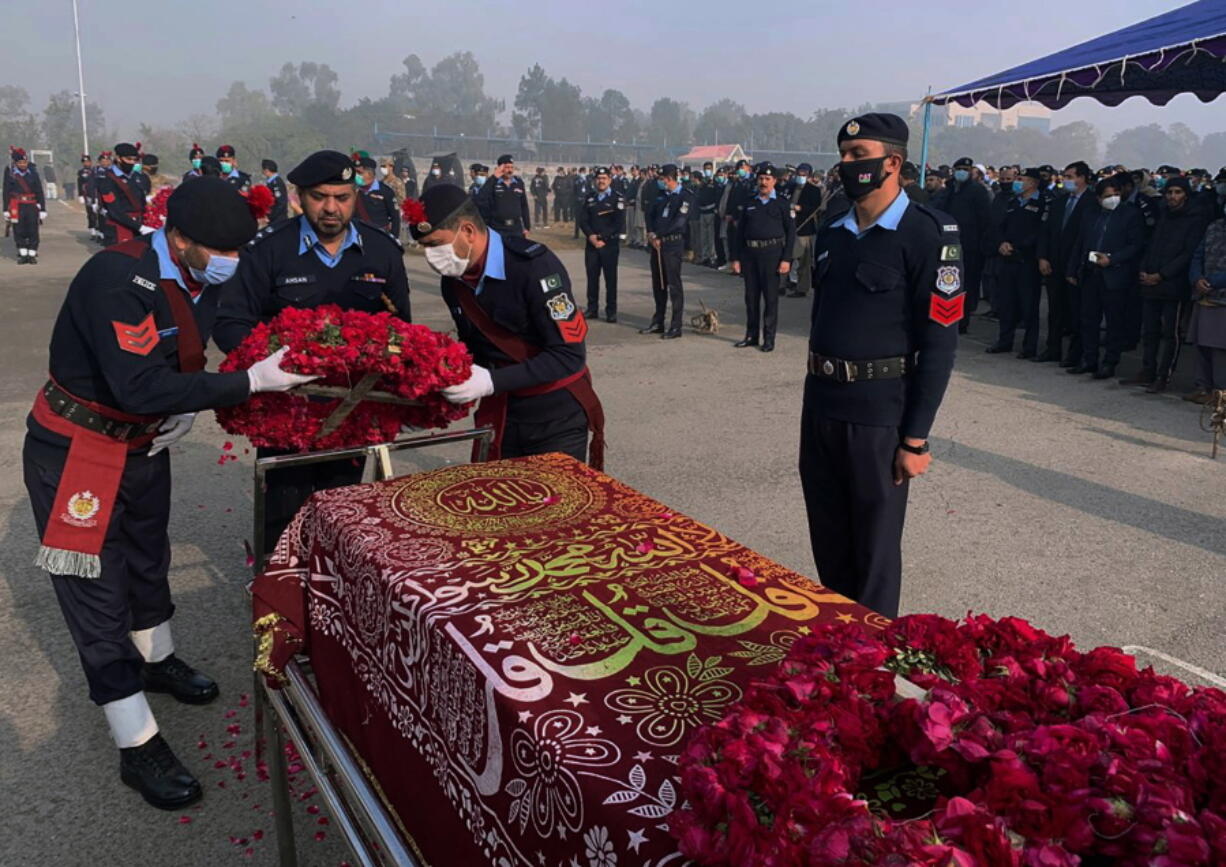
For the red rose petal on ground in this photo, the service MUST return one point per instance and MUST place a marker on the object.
(257, 834)
(227, 445)
(313, 809)
(185, 820)
(323, 820)
(320, 835)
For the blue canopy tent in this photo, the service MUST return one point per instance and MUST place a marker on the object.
(1182, 51)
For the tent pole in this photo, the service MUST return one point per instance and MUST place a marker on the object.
(923, 167)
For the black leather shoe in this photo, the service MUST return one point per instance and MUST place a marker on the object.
(748, 341)
(1025, 355)
(1141, 378)
(1069, 362)
(1044, 357)
(996, 349)
(154, 771)
(176, 677)
(768, 346)
(653, 328)
(610, 317)
(1107, 371)
(671, 334)
(32, 260)
(1080, 369)
(796, 293)
(1156, 387)
(591, 314)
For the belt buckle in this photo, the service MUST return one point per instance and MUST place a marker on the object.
(827, 367)
(849, 371)
(123, 432)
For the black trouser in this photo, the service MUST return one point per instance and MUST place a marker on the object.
(855, 510)
(132, 593)
(285, 490)
(566, 434)
(540, 210)
(1063, 316)
(1017, 302)
(603, 260)
(559, 210)
(1211, 368)
(1098, 302)
(1132, 315)
(91, 216)
(760, 268)
(25, 230)
(972, 269)
(730, 243)
(720, 257)
(666, 282)
(1158, 324)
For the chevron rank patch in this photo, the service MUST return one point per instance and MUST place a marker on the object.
(946, 311)
(138, 339)
(574, 330)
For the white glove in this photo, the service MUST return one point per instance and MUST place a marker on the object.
(267, 375)
(8, 218)
(172, 430)
(42, 215)
(81, 199)
(147, 230)
(477, 386)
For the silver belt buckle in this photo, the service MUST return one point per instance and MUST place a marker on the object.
(828, 367)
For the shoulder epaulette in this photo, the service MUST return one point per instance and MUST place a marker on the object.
(945, 223)
(523, 246)
(379, 230)
(272, 229)
(830, 219)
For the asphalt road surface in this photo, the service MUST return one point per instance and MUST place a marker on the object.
(1088, 508)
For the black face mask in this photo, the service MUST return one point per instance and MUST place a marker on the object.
(861, 177)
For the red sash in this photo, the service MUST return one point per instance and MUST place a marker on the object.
(25, 197)
(122, 233)
(93, 471)
(493, 409)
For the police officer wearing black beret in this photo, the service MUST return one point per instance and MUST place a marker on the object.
(325, 256)
(503, 201)
(228, 159)
(276, 186)
(121, 196)
(667, 219)
(602, 221)
(765, 234)
(376, 202)
(126, 379)
(888, 293)
(513, 307)
(194, 156)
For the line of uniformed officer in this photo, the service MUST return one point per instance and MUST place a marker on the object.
(602, 221)
(503, 201)
(667, 218)
(324, 256)
(25, 206)
(765, 234)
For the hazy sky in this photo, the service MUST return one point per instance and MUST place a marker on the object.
(163, 61)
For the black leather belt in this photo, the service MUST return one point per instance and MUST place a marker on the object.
(66, 406)
(858, 371)
(665, 239)
(509, 223)
(763, 244)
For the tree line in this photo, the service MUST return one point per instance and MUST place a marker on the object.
(438, 107)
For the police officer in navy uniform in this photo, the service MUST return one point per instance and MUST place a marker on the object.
(121, 197)
(126, 380)
(503, 201)
(276, 186)
(480, 176)
(241, 181)
(765, 234)
(25, 206)
(376, 203)
(667, 219)
(85, 193)
(194, 156)
(513, 307)
(888, 297)
(602, 221)
(324, 256)
(540, 197)
(1018, 280)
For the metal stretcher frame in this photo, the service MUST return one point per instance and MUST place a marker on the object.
(294, 711)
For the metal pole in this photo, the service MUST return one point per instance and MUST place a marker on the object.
(924, 146)
(76, 26)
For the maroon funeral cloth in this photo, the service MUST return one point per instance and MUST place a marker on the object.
(518, 649)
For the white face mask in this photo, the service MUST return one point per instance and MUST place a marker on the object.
(1111, 202)
(443, 260)
(383, 171)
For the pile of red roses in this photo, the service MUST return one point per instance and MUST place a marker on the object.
(1052, 757)
(155, 209)
(342, 347)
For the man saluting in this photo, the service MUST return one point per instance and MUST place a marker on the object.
(126, 380)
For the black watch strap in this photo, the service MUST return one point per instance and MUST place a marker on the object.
(915, 450)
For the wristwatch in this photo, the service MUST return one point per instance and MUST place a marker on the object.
(915, 450)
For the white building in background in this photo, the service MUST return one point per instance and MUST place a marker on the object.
(1024, 115)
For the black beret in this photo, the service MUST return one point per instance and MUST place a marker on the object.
(805, 167)
(877, 126)
(268, 165)
(365, 163)
(211, 212)
(767, 170)
(322, 167)
(1047, 167)
(1033, 174)
(149, 160)
(1221, 175)
(85, 158)
(505, 158)
(439, 203)
(669, 170)
(740, 163)
(225, 151)
(475, 167)
(126, 149)
(1179, 182)
(600, 170)
(964, 163)
(196, 151)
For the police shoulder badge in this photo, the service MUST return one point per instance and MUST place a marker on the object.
(949, 280)
(560, 306)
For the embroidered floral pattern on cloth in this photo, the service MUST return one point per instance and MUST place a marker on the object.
(519, 649)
